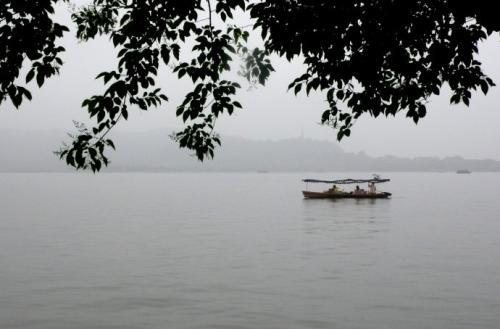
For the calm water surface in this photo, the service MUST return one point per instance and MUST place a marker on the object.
(194, 251)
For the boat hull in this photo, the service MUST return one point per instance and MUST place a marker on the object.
(327, 195)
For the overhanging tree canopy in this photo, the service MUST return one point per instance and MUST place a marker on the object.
(369, 57)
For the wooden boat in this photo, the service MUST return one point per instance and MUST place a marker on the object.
(337, 194)
(345, 195)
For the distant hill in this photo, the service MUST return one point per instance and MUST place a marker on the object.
(154, 151)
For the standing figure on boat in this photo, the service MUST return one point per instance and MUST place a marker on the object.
(372, 188)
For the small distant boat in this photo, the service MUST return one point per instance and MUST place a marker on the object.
(335, 193)
(463, 171)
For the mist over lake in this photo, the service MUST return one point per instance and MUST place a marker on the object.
(154, 151)
(241, 164)
(245, 250)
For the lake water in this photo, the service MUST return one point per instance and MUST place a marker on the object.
(246, 251)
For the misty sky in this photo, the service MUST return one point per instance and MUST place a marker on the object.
(271, 112)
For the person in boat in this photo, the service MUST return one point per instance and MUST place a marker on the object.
(372, 188)
(359, 190)
(334, 189)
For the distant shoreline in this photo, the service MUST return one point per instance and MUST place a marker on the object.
(155, 152)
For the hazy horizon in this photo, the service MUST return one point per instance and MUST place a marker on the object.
(154, 151)
(168, 130)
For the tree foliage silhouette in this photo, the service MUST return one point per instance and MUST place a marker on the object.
(377, 57)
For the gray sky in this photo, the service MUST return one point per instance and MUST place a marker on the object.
(271, 112)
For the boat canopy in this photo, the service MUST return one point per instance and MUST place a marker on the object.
(347, 181)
